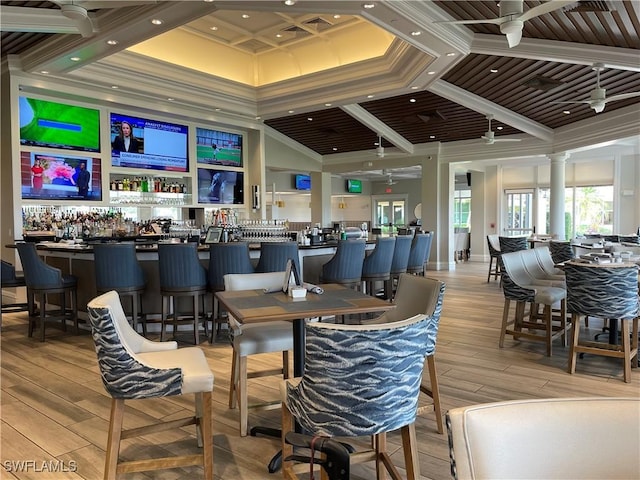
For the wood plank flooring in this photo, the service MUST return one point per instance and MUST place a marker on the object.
(55, 411)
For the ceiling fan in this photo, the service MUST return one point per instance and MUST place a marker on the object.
(512, 17)
(380, 148)
(390, 180)
(597, 98)
(490, 138)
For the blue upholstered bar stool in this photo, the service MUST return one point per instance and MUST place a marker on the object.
(225, 258)
(399, 263)
(117, 268)
(274, 256)
(345, 267)
(377, 265)
(419, 253)
(10, 280)
(43, 280)
(608, 291)
(181, 275)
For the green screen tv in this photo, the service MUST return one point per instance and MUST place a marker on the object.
(58, 125)
(354, 186)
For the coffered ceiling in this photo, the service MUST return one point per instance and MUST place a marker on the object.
(335, 77)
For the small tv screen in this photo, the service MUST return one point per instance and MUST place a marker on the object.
(60, 177)
(214, 147)
(354, 186)
(58, 125)
(152, 144)
(302, 182)
(220, 187)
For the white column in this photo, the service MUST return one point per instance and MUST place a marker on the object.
(556, 197)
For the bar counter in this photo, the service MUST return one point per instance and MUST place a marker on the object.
(77, 259)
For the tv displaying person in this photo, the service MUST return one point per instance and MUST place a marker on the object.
(125, 141)
(82, 180)
(216, 189)
(37, 172)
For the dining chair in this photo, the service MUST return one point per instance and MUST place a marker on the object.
(134, 368)
(182, 275)
(360, 380)
(496, 440)
(376, 266)
(494, 254)
(416, 295)
(608, 291)
(224, 258)
(43, 280)
(519, 286)
(253, 339)
(117, 268)
(561, 251)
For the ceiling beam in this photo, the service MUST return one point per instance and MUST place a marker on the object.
(37, 20)
(555, 51)
(483, 106)
(381, 128)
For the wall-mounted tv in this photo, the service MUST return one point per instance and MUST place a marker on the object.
(58, 125)
(153, 144)
(60, 177)
(302, 182)
(215, 147)
(220, 186)
(354, 186)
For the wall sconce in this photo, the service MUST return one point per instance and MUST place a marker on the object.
(342, 205)
(279, 203)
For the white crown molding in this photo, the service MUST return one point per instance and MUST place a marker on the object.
(555, 51)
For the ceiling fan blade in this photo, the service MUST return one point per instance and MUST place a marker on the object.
(622, 96)
(94, 5)
(513, 38)
(544, 8)
(494, 21)
(507, 140)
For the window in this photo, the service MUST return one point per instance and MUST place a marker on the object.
(519, 212)
(389, 213)
(462, 209)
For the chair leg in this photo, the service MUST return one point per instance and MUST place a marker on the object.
(287, 449)
(43, 303)
(380, 446)
(490, 267)
(575, 321)
(549, 329)
(113, 442)
(242, 396)
(434, 391)
(505, 321)
(634, 343)
(286, 370)
(207, 434)
(163, 317)
(626, 348)
(410, 447)
(233, 381)
(196, 319)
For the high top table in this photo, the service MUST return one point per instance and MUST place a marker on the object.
(255, 306)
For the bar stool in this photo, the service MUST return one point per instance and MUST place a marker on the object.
(43, 280)
(345, 267)
(10, 280)
(274, 256)
(608, 291)
(117, 268)
(181, 275)
(225, 258)
(419, 253)
(377, 265)
(494, 254)
(399, 263)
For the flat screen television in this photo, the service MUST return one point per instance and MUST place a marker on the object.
(354, 186)
(58, 125)
(302, 182)
(60, 177)
(220, 187)
(214, 147)
(152, 144)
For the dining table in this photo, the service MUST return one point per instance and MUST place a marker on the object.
(257, 306)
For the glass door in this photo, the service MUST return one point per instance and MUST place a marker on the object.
(389, 213)
(519, 212)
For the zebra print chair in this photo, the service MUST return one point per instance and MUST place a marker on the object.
(608, 291)
(133, 367)
(360, 380)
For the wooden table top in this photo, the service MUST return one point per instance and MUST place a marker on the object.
(254, 306)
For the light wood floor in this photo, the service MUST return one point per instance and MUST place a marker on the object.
(54, 406)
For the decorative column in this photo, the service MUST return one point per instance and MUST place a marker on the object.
(556, 197)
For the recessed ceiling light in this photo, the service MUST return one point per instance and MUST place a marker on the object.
(278, 35)
(115, 87)
(310, 119)
(208, 1)
(157, 21)
(291, 111)
(335, 149)
(214, 28)
(75, 59)
(432, 137)
(499, 128)
(336, 16)
(451, 54)
(171, 99)
(368, 5)
(218, 109)
(44, 72)
(416, 33)
(431, 73)
(414, 87)
(112, 42)
(369, 96)
(289, 2)
(246, 15)
(566, 112)
(327, 104)
(494, 70)
(412, 100)
(258, 117)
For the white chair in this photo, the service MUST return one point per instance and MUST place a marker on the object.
(133, 367)
(555, 438)
(253, 339)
